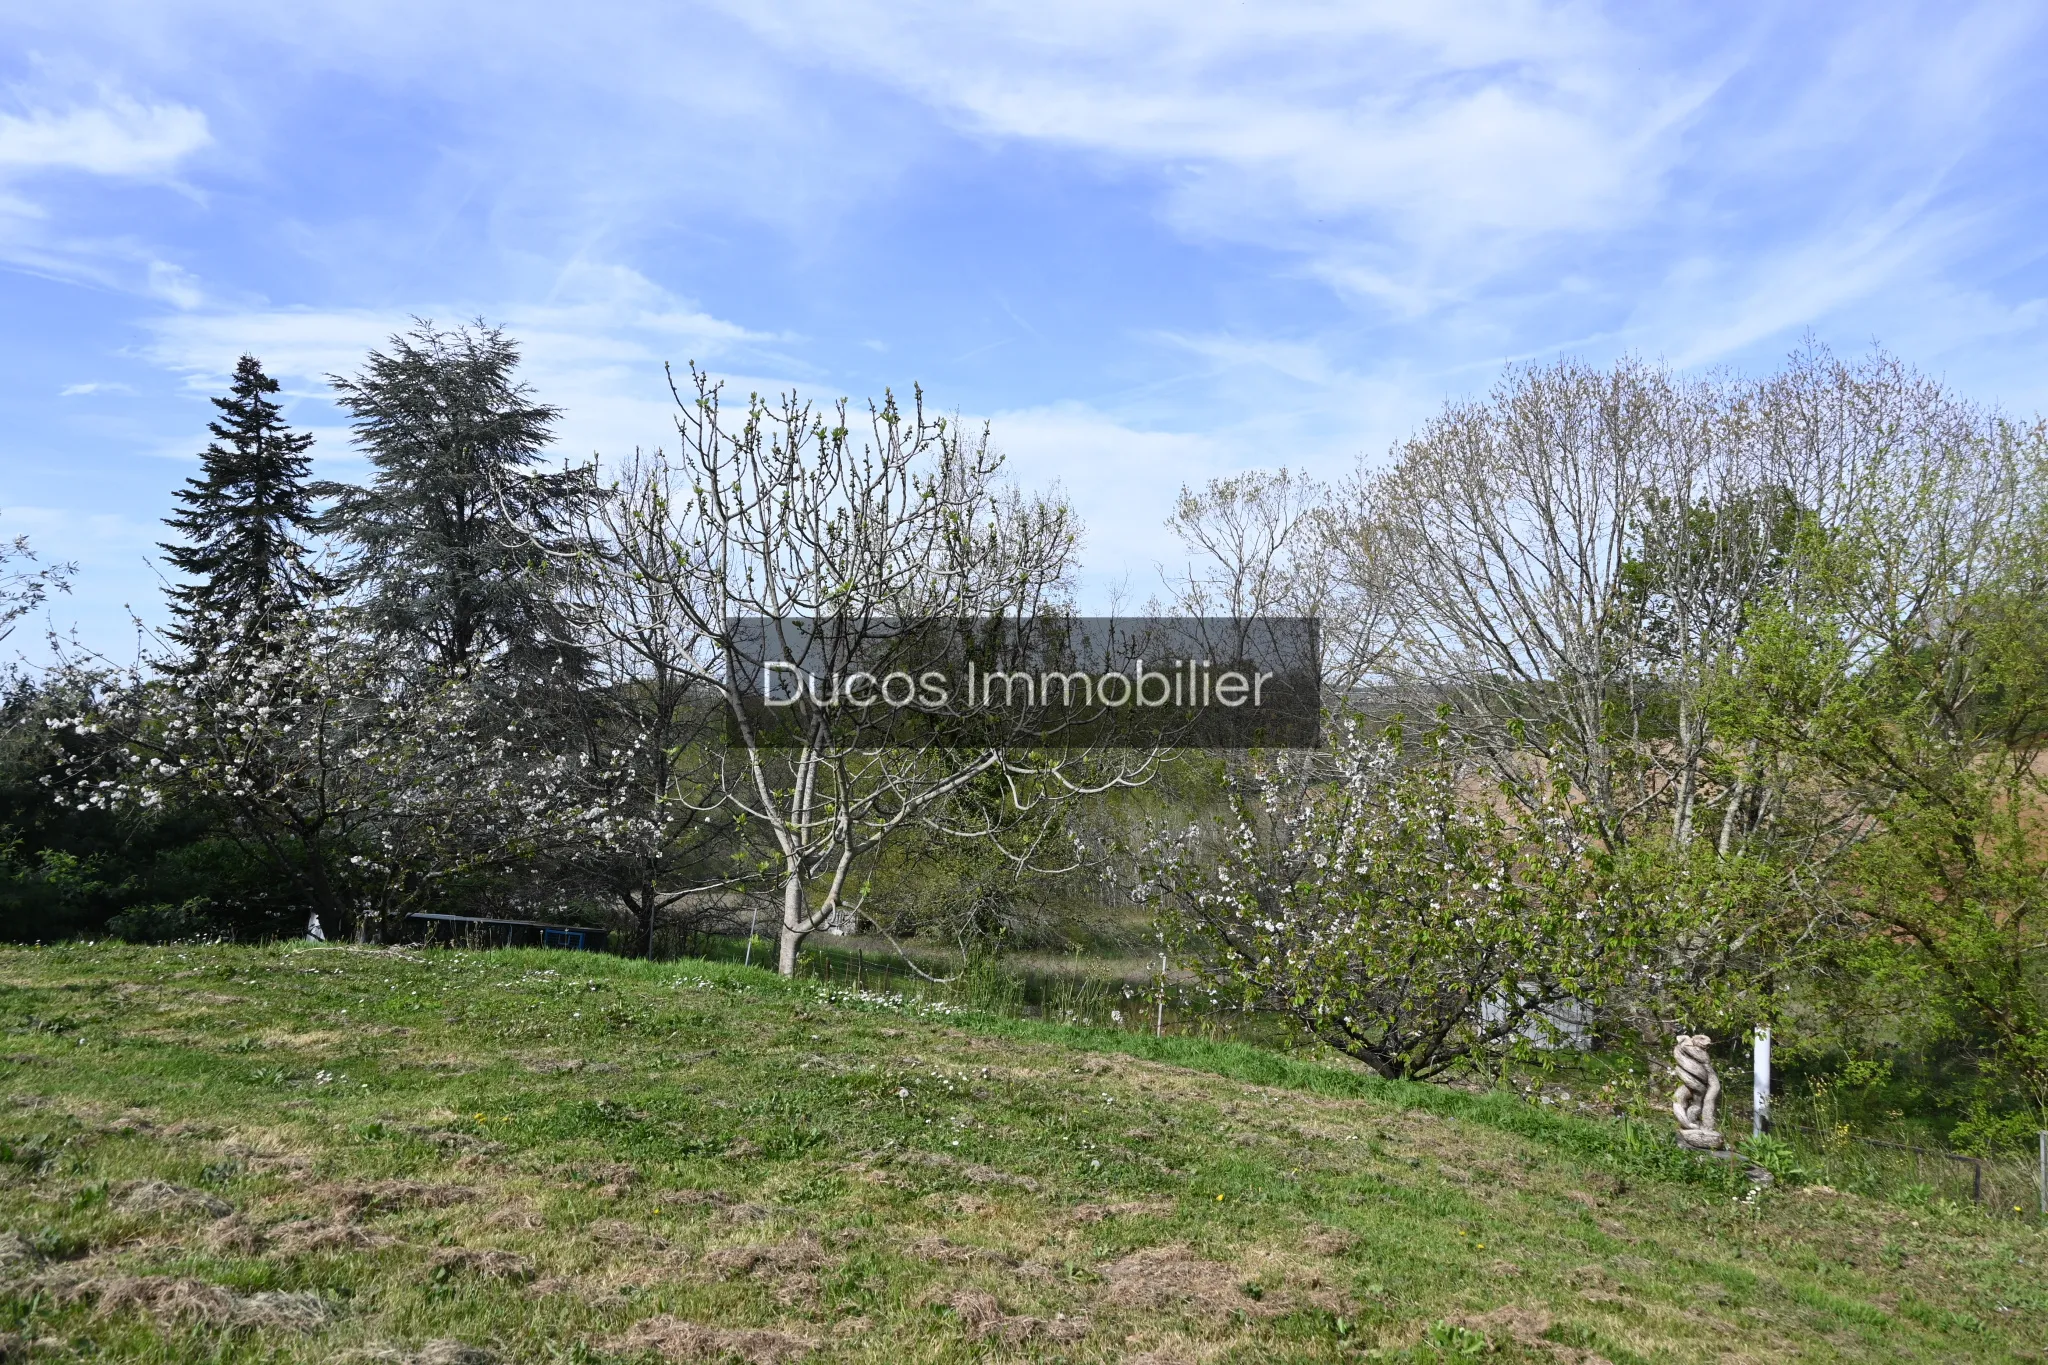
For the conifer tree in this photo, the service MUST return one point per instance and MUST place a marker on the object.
(243, 519)
(460, 545)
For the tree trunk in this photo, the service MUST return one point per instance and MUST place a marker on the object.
(1688, 755)
(793, 931)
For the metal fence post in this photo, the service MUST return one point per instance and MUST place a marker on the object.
(1760, 1087)
(2044, 1173)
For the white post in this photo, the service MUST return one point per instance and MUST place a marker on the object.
(1760, 1093)
(1159, 1019)
(2044, 1173)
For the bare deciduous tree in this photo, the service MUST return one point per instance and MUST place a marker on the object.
(1278, 543)
(787, 523)
(1559, 571)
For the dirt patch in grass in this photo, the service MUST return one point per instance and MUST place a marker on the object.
(1326, 1243)
(192, 1128)
(393, 1196)
(691, 1199)
(672, 1338)
(939, 1250)
(443, 1352)
(614, 1178)
(131, 1121)
(320, 1040)
(983, 1317)
(154, 1197)
(238, 1236)
(724, 1208)
(800, 1253)
(267, 1152)
(1143, 1208)
(486, 1263)
(179, 1299)
(445, 1063)
(468, 1144)
(960, 1205)
(552, 1066)
(310, 1236)
(743, 1213)
(968, 1170)
(1175, 1277)
(519, 1216)
(15, 1252)
(623, 1236)
(1526, 1328)
(789, 1268)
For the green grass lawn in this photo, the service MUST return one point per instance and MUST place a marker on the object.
(307, 1153)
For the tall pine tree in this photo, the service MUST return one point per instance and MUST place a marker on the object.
(460, 544)
(242, 524)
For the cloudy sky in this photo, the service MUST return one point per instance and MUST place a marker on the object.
(1152, 242)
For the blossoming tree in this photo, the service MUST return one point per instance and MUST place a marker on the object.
(1370, 898)
(373, 788)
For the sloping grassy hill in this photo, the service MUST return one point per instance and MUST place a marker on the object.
(311, 1153)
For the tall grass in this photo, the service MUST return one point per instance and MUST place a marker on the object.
(1906, 1166)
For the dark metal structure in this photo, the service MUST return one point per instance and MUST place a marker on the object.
(470, 931)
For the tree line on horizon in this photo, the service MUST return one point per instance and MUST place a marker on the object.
(1674, 700)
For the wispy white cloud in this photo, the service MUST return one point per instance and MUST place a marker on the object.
(594, 346)
(111, 136)
(117, 135)
(1249, 403)
(301, 344)
(1297, 225)
(1115, 474)
(1454, 130)
(1711, 309)
(587, 124)
(64, 533)
(1426, 161)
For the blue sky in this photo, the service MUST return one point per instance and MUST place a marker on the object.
(1153, 242)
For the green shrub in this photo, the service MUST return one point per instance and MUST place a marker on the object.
(162, 923)
(1776, 1156)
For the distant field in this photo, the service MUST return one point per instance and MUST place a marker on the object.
(314, 1154)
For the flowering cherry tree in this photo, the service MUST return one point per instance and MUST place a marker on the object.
(1368, 896)
(652, 725)
(26, 582)
(373, 788)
